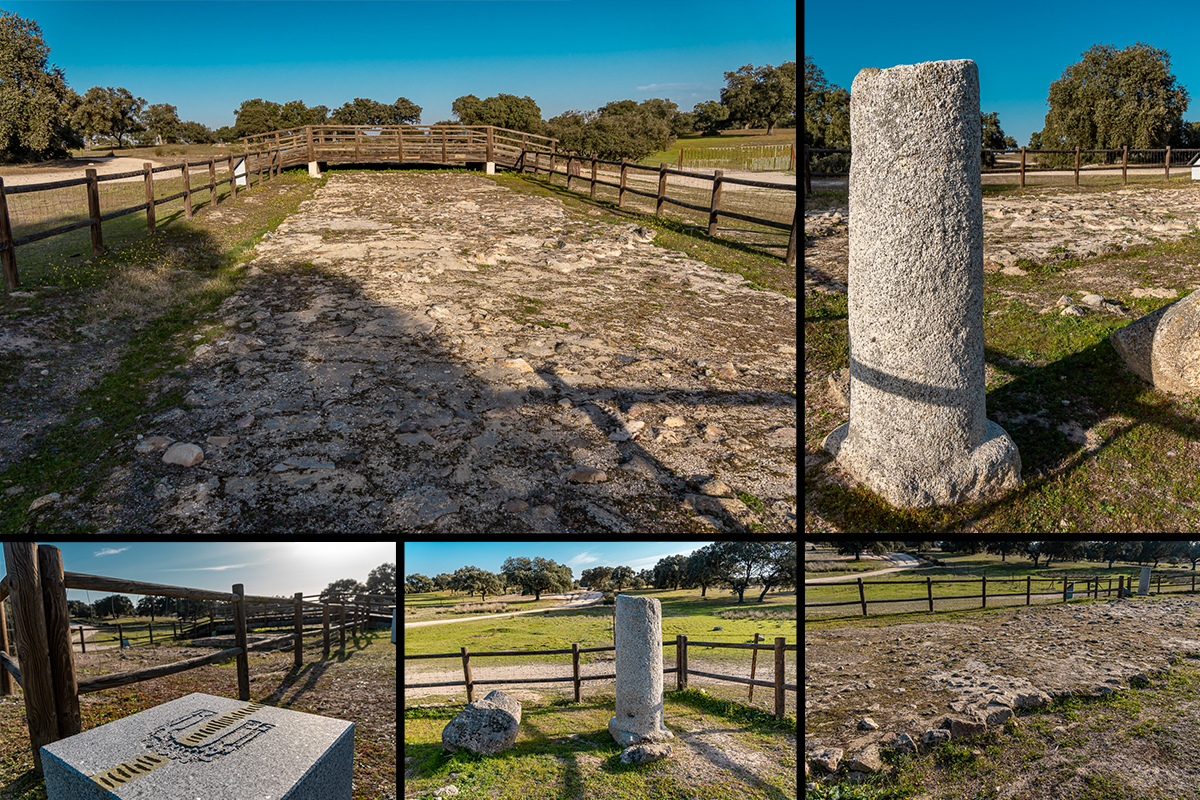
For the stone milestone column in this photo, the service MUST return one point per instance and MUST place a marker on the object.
(917, 434)
(639, 673)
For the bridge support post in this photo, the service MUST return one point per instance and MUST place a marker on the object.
(489, 168)
(314, 169)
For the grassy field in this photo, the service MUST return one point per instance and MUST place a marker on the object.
(726, 745)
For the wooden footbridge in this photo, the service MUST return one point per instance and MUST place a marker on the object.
(456, 145)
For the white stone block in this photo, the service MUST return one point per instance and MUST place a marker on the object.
(205, 747)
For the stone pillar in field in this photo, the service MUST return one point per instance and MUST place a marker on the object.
(639, 716)
(917, 434)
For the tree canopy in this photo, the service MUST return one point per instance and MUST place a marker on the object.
(35, 101)
(1113, 98)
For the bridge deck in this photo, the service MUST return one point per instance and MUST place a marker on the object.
(363, 144)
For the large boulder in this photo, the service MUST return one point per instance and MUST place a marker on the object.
(486, 726)
(1163, 347)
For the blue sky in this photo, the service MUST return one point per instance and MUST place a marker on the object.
(271, 570)
(1020, 50)
(565, 54)
(433, 558)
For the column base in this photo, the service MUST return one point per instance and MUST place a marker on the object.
(992, 468)
(629, 739)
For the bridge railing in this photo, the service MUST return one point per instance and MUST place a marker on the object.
(384, 143)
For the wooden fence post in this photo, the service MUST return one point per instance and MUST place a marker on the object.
(662, 188)
(753, 664)
(33, 655)
(466, 659)
(789, 258)
(149, 168)
(325, 626)
(1168, 163)
(298, 628)
(679, 662)
(683, 668)
(187, 191)
(1028, 581)
(1124, 164)
(984, 591)
(239, 636)
(575, 667)
(1022, 167)
(342, 629)
(862, 597)
(621, 193)
(929, 591)
(8, 255)
(592, 193)
(93, 198)
(715, 205)
(58, 640)
(1076, 165)
(779, 642)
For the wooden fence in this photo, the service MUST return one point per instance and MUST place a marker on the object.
(45, 665)
(1091, 589)
(681, 659)
(713, 209)
(1124, 152)
(267, 154)
(95, 219)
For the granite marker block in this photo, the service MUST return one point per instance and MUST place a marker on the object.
(206, 747)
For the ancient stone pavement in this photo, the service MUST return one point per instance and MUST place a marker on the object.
(436, 353)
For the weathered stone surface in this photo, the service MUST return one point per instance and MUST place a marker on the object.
(185, 455)
(487, 726)
(645, 753)
(423, 353)
(868, 760)
(639, 698)
(917, 434)
(828, 759)
(1163, 347)
(1019, 661)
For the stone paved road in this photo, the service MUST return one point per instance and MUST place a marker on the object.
(436, 353)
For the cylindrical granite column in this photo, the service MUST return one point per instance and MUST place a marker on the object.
(918, 434)
(638, 638)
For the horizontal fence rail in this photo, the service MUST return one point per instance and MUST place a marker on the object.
(1091, 589)
(681, 669)
(1151, 158)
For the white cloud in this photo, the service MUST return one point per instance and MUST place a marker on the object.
(656, 87)
(108, 551)
(586, 557)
